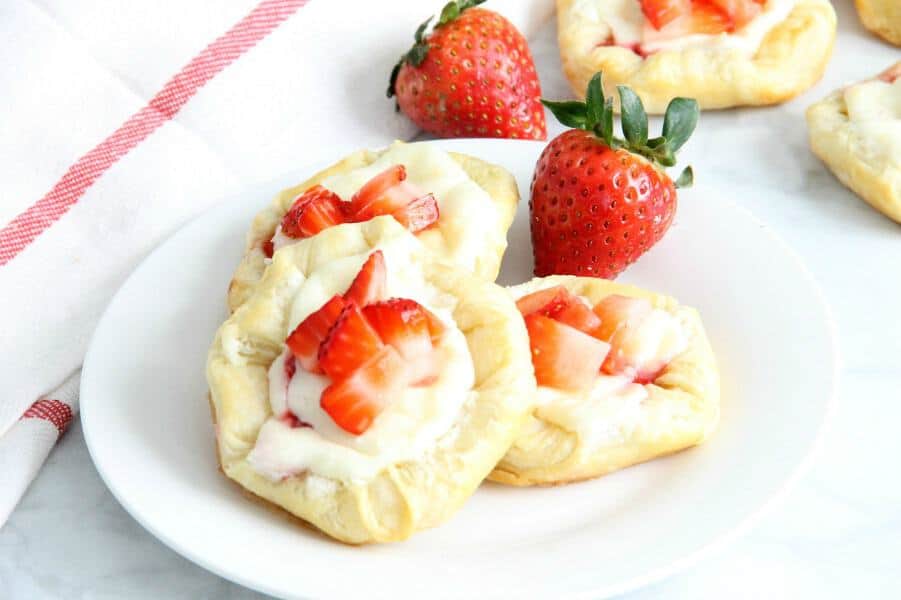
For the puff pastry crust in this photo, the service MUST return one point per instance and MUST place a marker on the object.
(790, 59)
(882, 17)
(681, 410)
(840, 145)
(403, 497)
(496, 181)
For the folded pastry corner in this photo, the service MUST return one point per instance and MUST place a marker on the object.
(856, 132)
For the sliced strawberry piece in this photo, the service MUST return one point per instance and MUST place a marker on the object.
(306, 338)
(543, 301)
(371, 283)
(662, 12)
(350, 342)
(617, 312)
(563, 357)
(576, 313)
(436, 326)
(739, 12)
(561, 305)
(404, 324)
(418, 214)
(320, 213)
(891, 74)
(291, 220)
(268, 248)
(354, 402)
(702, 18)
(385, 194)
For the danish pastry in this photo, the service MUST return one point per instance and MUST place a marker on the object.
(624, 376)
(366, 387)
(742, 52)
(856, 131)
(882, 17)
(459, 206)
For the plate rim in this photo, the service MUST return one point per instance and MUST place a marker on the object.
(714, 546)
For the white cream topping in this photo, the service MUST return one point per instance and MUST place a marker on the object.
(628, 27)
(604, 414)
(409, 426)
(874, 110)
(433, 171)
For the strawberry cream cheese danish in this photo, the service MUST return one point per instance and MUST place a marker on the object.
(366, 387)
(856, 131)
(721, 52)
(458, 206)
(624, 376)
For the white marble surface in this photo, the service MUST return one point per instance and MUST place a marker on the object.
(836, 535)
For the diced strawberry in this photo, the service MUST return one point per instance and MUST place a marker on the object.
(661, 12)
(326, 199)
(320, 213)
(436, 325)
(370, 284)
(418, 214)
(404, 324)
(892, 73)
(563, 357)
(354, 402)
(304, 341)
(560, 304)
(385, 194)
(739, 12)
(617, 312)
(349, 344)
(576, 313)
(702, 18)
(268, 248)
(643, 340)
(543, 301)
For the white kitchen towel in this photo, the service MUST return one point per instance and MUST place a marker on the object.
(122, 120)
(26, 445)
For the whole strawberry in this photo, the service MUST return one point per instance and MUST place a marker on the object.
(599, 202)
(471, 76)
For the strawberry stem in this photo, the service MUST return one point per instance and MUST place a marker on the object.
(596, 115)
(415, 55)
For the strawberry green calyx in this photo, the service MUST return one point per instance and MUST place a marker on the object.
(415, 55)
(596, 115)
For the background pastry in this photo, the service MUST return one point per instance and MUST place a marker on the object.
(882, 17)
(461, 186)
(624, 376)
(387, 421)
(856, 131)
(721, 53)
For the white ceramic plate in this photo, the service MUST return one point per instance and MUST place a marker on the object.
(147, 424)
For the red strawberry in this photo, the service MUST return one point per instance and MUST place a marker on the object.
(354, 402)
(618, 312)
(738, 12)
(325, 200)
(599, 202)
(471, 76)
(370, 283)
(404, 324)
(563, 357)
(418, 214)
(350, 342)
(304, 341)
(268, 248)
